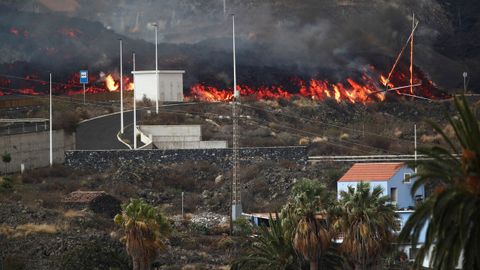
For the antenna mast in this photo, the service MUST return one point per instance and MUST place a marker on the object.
(236, 186)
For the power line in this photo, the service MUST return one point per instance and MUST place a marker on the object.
(323, 123)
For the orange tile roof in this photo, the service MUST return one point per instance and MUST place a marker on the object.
(371, 172)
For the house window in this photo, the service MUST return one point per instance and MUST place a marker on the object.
(393, 194)
(407, 178)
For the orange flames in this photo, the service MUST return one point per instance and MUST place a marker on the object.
(353, 91)
(112, 85)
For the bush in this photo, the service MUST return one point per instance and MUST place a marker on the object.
(67, 121)
(242, 227)
(199, 228)
(6, 184)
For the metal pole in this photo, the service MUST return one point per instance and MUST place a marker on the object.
(411, 54)
(84, 94)
(236, 190)
(224, 7)
(51, 138)
(465, 74)
(415, 144)
(134, 109)
(156, 67)
(235, 91)
(121, 87)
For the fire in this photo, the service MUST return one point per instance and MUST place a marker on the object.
(353, 92)
(110, 83)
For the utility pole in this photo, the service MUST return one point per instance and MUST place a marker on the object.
(134, 109)
(236, 186)
(411, 54)
(121, 87)
(51, 136)
(415, 145)
(156, 66)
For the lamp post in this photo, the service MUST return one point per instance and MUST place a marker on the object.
(134, 109)
(121, 86)
(51, 118)
(156, 66)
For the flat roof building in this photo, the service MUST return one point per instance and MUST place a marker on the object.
(170, 85)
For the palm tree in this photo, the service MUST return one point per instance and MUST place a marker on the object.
(271, 250)
(145, 231)
(452, 213)
(305, 218)
(367, 222)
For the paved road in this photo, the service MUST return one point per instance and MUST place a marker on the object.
(101, 133)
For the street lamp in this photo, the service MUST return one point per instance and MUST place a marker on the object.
(156, 64)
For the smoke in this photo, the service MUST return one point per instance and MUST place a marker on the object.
(332, 39)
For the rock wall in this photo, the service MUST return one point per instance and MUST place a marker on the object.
(104, 159)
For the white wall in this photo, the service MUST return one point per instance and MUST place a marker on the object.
(170, 85)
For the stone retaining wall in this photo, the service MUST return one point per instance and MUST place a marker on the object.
(104, 159)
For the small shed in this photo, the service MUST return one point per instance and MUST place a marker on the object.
(97, 201)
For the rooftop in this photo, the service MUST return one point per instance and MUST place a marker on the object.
(365, 172)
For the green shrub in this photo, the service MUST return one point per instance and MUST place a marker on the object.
(6, 184)
(199, 228)
(242, 227)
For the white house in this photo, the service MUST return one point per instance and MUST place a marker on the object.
(170, 85)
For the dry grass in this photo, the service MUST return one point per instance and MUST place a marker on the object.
(73, 213)
(27, 229)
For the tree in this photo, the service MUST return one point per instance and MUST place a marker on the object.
(145, 228)
(306, 219)
(6, 158)
(367, 222)
(271, 250)
(285, 243)
(452, 213)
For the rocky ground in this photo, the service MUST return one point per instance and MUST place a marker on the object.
(37, 231)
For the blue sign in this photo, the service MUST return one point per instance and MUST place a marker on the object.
(83, 76)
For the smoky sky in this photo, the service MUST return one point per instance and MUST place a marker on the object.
(337, 37)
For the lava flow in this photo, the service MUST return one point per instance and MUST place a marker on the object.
(364, 90)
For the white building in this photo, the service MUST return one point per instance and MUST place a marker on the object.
(179, 137)
(170, 85)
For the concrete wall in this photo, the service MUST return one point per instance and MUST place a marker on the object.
(105, 159)
(173, 133)
(32, 149)
(179, 137)
(170, 85)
